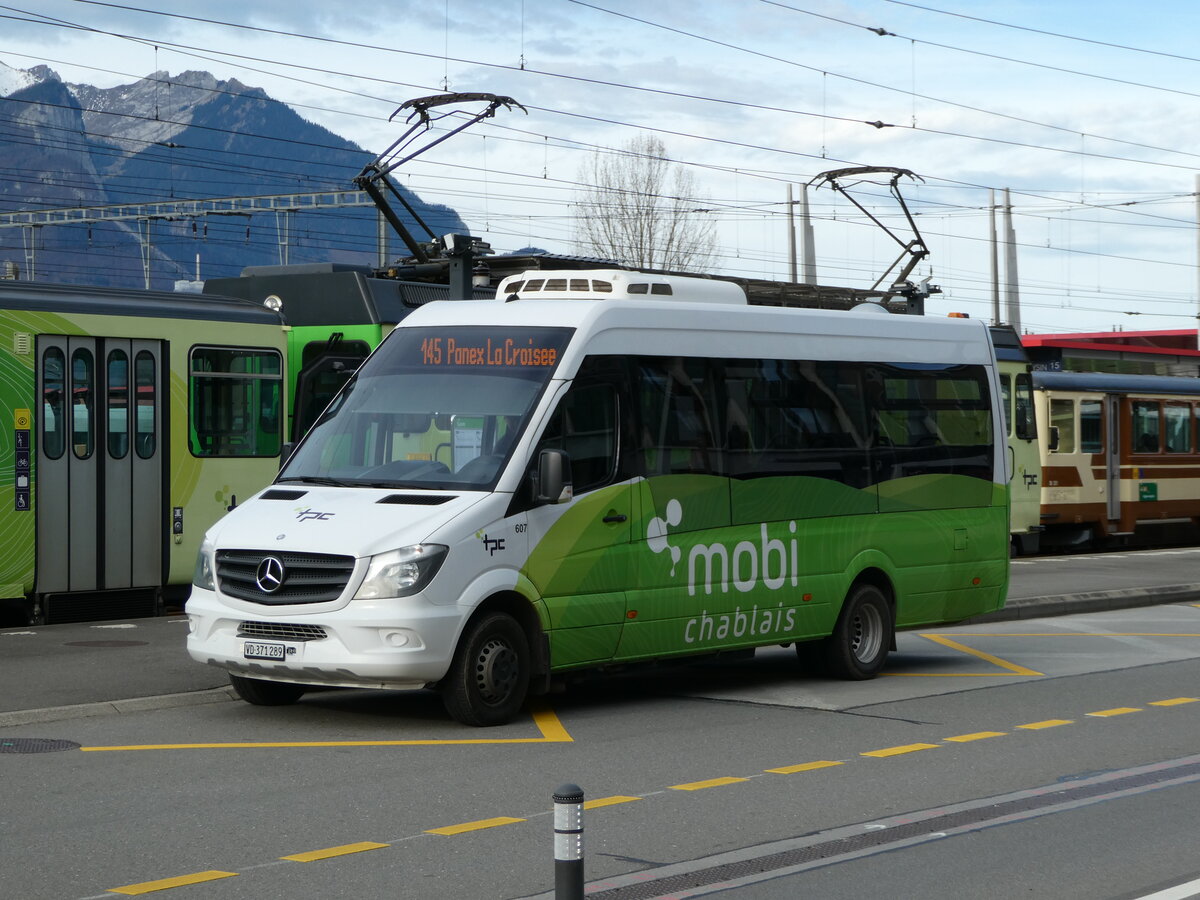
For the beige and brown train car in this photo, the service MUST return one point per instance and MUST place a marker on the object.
(1120, 454)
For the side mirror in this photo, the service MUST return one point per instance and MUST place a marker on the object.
(1053, 443)
(285, 452)
(553, 483)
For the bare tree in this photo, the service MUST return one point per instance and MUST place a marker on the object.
(641, 208)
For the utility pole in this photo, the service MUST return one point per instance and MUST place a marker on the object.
(1011, 283)
(791, 236)
(996, 319)
(1197, 195)
(809, 257)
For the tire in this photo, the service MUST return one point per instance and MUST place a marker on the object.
(488, 680)
(859, 645)
(266, 693)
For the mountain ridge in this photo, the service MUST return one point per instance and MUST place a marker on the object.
(163, 137)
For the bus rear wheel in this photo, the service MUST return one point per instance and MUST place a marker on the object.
(266, 693)
(489, 677)
(859, 645)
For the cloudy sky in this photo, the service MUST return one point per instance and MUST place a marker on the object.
(1085, 111)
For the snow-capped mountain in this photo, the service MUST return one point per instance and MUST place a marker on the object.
(171, 137)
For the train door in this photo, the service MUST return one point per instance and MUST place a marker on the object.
(1112, 458)
(100, 463)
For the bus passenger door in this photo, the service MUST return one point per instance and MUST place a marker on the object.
(579, 559)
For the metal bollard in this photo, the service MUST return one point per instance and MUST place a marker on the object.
(568, 843)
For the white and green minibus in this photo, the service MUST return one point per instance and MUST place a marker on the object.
(603, 467)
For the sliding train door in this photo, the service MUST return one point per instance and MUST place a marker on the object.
(100, 461)
(1112, 459)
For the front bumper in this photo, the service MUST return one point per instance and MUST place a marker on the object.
(395, 644)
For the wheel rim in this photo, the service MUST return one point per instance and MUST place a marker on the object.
(496, 670)
(866, 637)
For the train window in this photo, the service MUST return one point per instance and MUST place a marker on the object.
(1026, 426)
(1178, 419)
(1091, 426)
(1006, 395)
(83, 383)
(1145, 426)
(54, 429)
(234, 399)
(117, 378)
(145, 426)
(1062, 417)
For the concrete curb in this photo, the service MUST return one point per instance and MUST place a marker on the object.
(115, 707)
(1092, 601)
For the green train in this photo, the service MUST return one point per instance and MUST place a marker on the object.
(130, 421)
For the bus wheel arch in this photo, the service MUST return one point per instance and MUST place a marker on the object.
(865, 631)
(498, 654)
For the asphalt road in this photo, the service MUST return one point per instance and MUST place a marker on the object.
(365, 795)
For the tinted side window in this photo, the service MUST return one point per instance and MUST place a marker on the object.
(585, 427)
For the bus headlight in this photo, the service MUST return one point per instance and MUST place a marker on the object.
(205, 574)
(399, 573)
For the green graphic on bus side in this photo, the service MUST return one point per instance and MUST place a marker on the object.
(716, 563)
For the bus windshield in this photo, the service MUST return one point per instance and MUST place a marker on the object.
(434, 408)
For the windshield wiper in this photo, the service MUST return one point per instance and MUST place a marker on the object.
(315, 479)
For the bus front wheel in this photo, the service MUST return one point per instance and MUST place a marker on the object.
(859, 645)
(266, 693)
(489, 677)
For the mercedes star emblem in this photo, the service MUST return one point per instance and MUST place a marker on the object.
(270, 574)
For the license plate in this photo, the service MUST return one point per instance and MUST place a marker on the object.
(253, 650)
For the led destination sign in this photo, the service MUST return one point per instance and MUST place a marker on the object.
(471, 349)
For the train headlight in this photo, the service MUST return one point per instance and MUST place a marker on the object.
(205, 575)
(399, 573)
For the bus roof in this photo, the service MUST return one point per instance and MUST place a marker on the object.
(706, 329)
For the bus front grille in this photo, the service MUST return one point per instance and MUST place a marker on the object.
(280, 579)
(281, 631)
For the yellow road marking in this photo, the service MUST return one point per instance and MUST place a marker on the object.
(149, 887)
(897, 751)
(701, 785)
(473, 826)
(1004, 634)
(1118, 711)
(608, 801)
(977, 736)
(805, 767)
(1048, 723)
(986, 657)
(548, 725)
(330, 852)
(1176, 701)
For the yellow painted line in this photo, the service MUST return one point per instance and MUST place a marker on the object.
(711, 783)
(1118, 711)
(897, 751)
(547, 722)
(474, 826)
(608, 801)
(551, 728)
(951, 674)
(330, 852)
(149, 887)
(805, 767)
(1048, 723)
(1176, 701)
(1004, 634)
(986, 657)
(977, 736)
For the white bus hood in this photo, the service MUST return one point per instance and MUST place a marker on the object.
(346, 521)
